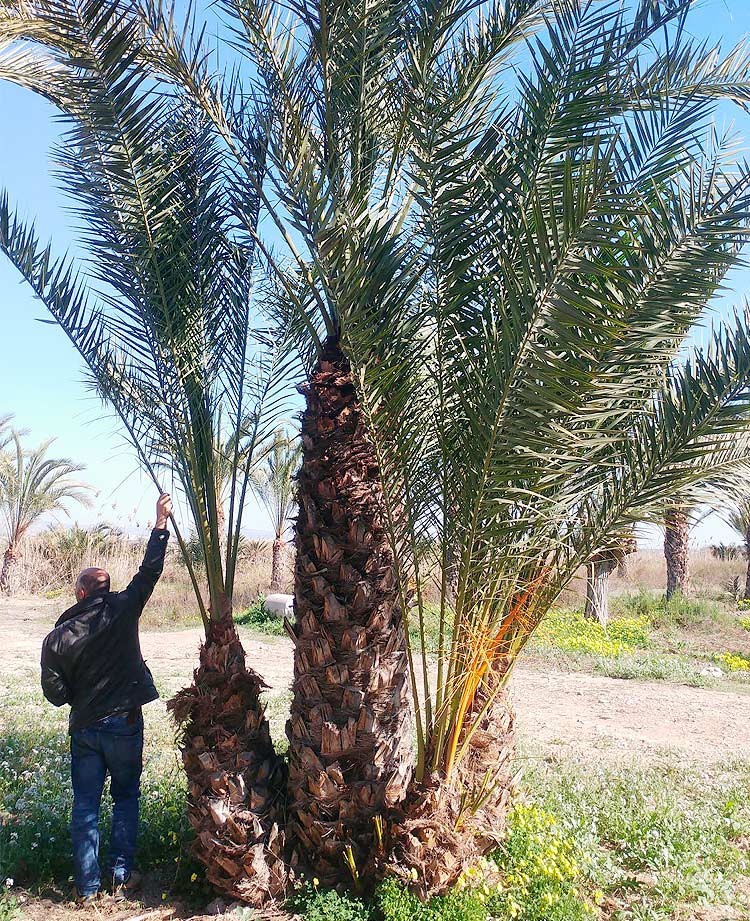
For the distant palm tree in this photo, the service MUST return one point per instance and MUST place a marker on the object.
(32, 484)
(739, 519)
(273, 484)
(598, 571)
(6, 433)
(676, 538)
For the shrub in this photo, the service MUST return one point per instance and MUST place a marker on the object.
(257, 618)
(733, 661)
(541, 871)
(9, 908)
(326, 905)
(394, 902)
(745, 621)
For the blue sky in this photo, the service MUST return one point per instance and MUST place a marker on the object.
(41, 379)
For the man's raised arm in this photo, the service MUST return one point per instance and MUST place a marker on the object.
(142, 585)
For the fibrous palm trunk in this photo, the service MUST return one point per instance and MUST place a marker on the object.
(236, 781)
(278, 546)
(676, 536)
(8, 560)
(747, 554)
(350, 753)
(598, 571)
(447, 823)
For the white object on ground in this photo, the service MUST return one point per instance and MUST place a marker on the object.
(280, 605)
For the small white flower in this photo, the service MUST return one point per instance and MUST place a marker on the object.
(9, 882)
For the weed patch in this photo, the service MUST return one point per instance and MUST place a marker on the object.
(570, 631)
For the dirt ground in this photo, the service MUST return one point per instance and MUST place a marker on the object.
(559, 714)
(559, 711)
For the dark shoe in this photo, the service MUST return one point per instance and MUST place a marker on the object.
(124, 890)
(83, 901)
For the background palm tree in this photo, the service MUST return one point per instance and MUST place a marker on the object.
(676, 556)
(273, 484)
(598, 571)
(31, 486)
(491, 271)
(6, 431)
(739, 519)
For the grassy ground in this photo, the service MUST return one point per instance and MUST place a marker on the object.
(618, 840)
(700, 642)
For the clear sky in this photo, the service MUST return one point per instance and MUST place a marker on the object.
(41, 379)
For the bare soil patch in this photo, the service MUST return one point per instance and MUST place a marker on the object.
(556, 711)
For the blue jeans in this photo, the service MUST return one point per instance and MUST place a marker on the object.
(115, 745)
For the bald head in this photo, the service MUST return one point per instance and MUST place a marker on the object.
(92, 581)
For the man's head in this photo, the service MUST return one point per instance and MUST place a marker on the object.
(92, 581)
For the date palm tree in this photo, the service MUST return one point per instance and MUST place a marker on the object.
(676, 540)
(493, 276)
(162, 307)
(273, 484)
(32, 485)
(493, 228)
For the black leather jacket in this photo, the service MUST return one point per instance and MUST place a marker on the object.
(92, 659)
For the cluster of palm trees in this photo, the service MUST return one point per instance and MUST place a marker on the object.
(677, 523)
(32, 485)
(476, 235)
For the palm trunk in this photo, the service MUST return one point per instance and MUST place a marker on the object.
(350, 756)
(8, 560)
(278, 546)
(598, 572)
(676, 537)
(447, 824)
(747, 553)
(236, 781)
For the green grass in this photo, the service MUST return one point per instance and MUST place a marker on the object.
(640, 644)
(656, 836)
(677, 612)
(643, 839)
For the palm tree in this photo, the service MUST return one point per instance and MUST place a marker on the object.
(676, 539)
(492, 287)
(491, 278)
(32, 485)
(598, 571)
(273, 484)
(163, 310)
(6, 431)
(739, 519)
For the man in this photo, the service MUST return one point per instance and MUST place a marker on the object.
(92, 660)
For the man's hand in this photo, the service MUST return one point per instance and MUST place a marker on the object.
(163, 510)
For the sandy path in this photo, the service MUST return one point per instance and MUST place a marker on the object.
(560, 711)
